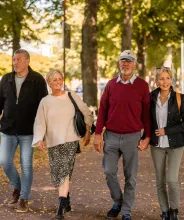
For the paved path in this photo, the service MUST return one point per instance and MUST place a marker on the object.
(89, 194)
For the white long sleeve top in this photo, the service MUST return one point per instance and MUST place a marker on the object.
(54, 119)
(161, 116)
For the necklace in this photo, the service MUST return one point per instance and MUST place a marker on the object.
(163, 96)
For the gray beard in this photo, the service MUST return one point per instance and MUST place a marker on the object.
(125, 72)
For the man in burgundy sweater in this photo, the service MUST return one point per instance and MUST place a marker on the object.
(124, 112)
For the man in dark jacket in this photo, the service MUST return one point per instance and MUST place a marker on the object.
(20, 94)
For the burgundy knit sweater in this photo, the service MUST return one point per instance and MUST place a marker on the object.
(125, 108)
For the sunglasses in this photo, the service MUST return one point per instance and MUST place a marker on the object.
(163, 68)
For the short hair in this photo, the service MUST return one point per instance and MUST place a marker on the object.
(163, 69)
(52, 73)
(24, 52)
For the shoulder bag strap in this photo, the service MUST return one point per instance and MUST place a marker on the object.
(178, 98)
(72, 100)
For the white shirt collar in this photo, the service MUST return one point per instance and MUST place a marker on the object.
(131, 80)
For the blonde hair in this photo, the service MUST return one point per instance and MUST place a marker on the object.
(50, 75)
(163, 69)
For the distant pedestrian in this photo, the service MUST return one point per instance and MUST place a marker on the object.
(20, 94)
(55, 123)
(167, 141)
(124, 112)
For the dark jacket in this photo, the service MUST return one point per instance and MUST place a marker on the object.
(175, 126)
(19, 114)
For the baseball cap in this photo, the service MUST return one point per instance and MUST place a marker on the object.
(128, 54)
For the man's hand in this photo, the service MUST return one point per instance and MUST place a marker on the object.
(143, 144)
(98, 143)
(160, 132)
(41, 146)
(86, 138)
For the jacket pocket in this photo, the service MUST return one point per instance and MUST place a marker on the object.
(6, 123)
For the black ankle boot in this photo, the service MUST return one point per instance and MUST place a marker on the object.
(78, 149)
(173, 214)
(68, 206)
(165, 216)
(61, 207)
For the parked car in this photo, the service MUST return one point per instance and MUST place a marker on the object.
(79, 90)
(100, 86)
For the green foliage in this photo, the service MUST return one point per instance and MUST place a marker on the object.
(5, 64)
(160, 21)
(156, 55)
(109, 36)
(19, 19)
(39, 63)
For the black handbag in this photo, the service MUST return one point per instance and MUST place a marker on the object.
(79, 123)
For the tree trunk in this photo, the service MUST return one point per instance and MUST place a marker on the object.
(89, 53)
(127, 24)
(141, 42)
(16, 34)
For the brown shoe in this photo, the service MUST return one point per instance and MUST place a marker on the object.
(22, 206)
(15, 197)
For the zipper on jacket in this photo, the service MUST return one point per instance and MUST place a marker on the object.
(17, 101)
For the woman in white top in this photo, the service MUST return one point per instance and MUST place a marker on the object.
(55, 122)
(167, 141)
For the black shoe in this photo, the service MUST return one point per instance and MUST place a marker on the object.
(173, 214)
(78, 149)
(61, 208)
(68, 206)
(165, 216)
(115, 210)
(126, 217)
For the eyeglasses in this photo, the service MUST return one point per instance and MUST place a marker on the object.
(125, 61)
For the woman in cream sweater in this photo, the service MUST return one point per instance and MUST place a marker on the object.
(54, 123)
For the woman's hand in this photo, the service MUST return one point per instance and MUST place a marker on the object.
(86, 138)
(143, 144)
(41, 146)
(160, 132)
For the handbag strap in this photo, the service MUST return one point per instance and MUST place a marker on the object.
(178, 98)
(93, 127)
(72, 100)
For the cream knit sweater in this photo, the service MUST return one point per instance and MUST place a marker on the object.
(54, 119)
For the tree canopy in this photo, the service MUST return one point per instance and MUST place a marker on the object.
(157, 26)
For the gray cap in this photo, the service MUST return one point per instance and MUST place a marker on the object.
(129, 55)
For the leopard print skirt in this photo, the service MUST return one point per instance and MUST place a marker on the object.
(61, 160)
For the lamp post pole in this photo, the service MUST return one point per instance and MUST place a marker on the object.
(182, 64)
(64, 52)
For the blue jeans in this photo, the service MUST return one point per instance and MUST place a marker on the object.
(9, 144)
